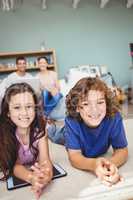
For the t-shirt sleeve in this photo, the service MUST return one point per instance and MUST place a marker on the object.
(71, 135)
(118, 136)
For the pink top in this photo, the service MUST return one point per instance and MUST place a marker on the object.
(24, 155)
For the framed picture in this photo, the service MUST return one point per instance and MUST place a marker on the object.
(85, 69)
(94, 71)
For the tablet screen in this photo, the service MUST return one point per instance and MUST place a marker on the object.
(14, 182)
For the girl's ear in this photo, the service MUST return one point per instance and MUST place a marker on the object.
(77, 109)
(8, 115)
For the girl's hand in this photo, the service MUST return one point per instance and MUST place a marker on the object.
(35, 178)
(54, 91)
(47, 170)
(41, 176)
(36, 186)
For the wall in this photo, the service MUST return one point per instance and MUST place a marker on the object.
(87, 35)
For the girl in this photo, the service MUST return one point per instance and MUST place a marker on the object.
(48, 78)
(50, 88)
(23, 141)
(93, 125)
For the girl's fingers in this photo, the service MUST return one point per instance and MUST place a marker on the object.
(37, 171)
(35, 167)
(37, 193)
(37, 186)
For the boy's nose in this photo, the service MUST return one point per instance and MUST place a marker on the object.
(94, 107)
(94, 110)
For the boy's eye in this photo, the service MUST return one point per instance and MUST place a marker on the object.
(85, 104)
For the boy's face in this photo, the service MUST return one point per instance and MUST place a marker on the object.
(93, 109)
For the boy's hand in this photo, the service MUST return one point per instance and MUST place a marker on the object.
(113, 175)
(107, 172)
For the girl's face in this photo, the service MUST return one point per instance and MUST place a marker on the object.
(93, 109)
(22, 110)
(42, 63)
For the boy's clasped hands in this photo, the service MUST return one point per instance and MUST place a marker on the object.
(107, 172)
(39, 177)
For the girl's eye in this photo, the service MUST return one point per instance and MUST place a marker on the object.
(101, 102)
(16, 107)
(30, 107)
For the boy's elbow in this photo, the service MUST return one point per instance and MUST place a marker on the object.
(126, 153)
(123, 154)
(74, 161)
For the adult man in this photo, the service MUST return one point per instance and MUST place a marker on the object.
(14, 77)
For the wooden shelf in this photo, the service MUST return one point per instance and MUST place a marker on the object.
(8, 60)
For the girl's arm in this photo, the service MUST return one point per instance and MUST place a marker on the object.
(57, 85)
(44, 150)
(44, 158)
(22, 172)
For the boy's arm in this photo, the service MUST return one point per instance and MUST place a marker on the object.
(103, 168)
(81, 162)
(119, 156)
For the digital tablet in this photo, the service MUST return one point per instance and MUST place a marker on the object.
(14, 182)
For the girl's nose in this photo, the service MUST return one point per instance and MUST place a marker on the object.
(23, 110)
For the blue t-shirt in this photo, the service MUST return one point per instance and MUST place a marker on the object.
(94, 142)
